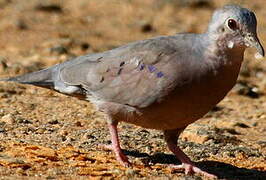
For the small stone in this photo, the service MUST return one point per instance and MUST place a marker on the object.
(49, 8)
(131, 172)
(242, 125)
(78, 123)
(59, 50)
(147, 28)
(20, 24)
(2, 130)
(196, 3)
(84, 46)
(3, 65)
(63, 133)
(53, 122)
(23, 121)
(262, 143)
(50, 177)
(245, 89)
(8, 119)
(195, 134)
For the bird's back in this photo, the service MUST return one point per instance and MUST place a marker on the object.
(166, 76)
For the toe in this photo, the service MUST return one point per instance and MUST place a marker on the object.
(192, 169)
(204, 173)
(123, 160)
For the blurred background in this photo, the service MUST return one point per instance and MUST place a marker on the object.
(49, 135)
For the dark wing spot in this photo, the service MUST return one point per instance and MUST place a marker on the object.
(141, 67)
(119, 71)
(160, 54)
(122, 63)
(99, 59)
(102, 79)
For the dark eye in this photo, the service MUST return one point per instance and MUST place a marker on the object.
(232, 24)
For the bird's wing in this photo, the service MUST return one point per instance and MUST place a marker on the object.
(137, 74)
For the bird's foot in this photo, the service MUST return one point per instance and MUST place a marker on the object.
(120, 156)
(189, 168)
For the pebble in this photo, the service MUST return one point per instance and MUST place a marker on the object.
(60, 49)
(8, 119)
(49, 8)
(242, 125)
(145, 28)
(245, 89)
(21, 24)
(2, 130)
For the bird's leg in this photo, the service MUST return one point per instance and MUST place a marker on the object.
(120, 156)
(187, 165)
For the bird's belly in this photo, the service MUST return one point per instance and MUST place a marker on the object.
(186, 104)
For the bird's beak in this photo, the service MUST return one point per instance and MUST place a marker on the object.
(253, 41)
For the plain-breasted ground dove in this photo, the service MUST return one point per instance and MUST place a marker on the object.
(163, 83)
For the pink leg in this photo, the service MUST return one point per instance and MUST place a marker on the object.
(120, 156)
(187, 165)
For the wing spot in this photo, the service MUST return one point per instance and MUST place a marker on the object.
(160, 74)
(99, 59)
(102, 79)
(151, 68)
(122, 63)
(160, 54)
(142, 66)
(119, 71)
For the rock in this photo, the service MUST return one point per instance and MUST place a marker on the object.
(49, 8)
(53, 121)
(59, 50)
(23, 121)
(196, 3)
(246, 89)
(21, 24)
(2, 130)
(242, 125)
(84, 46)
(195, 133)
(3, 65)
(262, 143)
(8, 119)
(146, 28)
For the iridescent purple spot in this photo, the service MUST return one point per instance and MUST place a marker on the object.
(151, 68)
(141, 67)
(159, 74)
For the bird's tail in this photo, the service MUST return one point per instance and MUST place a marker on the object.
(42, 78)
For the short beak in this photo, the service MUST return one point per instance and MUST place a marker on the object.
(253, 41)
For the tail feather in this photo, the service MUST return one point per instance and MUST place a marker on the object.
(42, 78)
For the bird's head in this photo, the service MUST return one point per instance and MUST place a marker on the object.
(234, 26)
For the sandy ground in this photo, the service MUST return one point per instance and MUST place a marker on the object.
(46, 135)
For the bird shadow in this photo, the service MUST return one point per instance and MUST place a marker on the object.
(220, 169)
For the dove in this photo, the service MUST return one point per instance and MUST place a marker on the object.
(163, 83)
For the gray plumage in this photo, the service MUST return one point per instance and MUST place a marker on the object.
(163, 83)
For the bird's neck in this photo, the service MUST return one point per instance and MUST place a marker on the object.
(222, 49)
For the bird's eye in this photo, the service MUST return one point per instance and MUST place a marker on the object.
(231, 23)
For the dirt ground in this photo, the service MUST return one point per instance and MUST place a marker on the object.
(46, 135)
